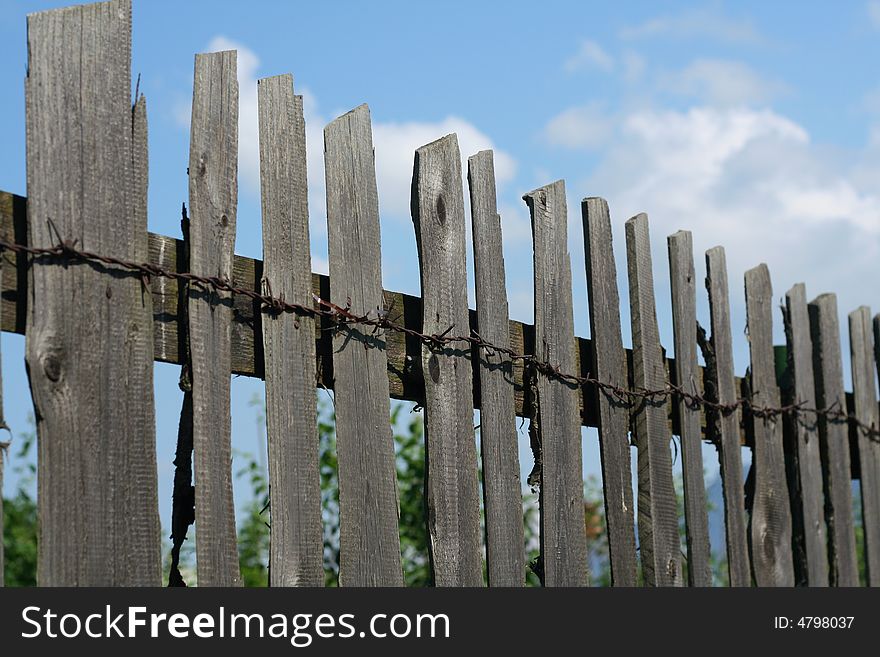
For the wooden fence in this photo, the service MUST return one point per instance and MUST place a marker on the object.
(73, 283)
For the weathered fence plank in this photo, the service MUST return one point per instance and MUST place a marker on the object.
(296, 552)
(452, 487)
(770, 521)
(98, 515)
(213, 198)
(657, 520)
(683, 287)
(502, 489)
(865, 409)
(726, 431)
(4, 445)
(609, 362)
(369, 540)
(555, 417)
(805, 460)
(834, 441)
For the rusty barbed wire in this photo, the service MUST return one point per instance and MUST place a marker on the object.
(343, 316)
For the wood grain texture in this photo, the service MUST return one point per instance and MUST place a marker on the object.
(865, 408)
(657, 520)
(369, 542)
(93, 400)
(834, 442)
(555, 414)
(811, 539)
(770, 521)
(213, 199)
(609, 363)
(683, 286)
(721, 377)
(502, 488)
(452, 488)
(296, 544)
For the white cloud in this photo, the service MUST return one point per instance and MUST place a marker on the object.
(705, 23)
(396, 143)
(721, 82)
(590, 55)
(755, 183)
(584, 127)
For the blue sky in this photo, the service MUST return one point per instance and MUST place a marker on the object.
(756, 125)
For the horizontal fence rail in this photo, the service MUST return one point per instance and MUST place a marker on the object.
(247, 359)
(80, 277)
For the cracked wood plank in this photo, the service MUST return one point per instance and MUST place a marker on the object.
(556, 419)
(369, 540)
(93, 400)
(609, 365)
(502, 488)
(296, 544)
(453, 506)
(213, 199)
(770, 521)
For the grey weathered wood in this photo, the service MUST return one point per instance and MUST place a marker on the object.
(770, 521)
(730, 454)
(555, 404)
(684, 323)
(865, 409)
(213, 198)
(659, 546)
(805, 429)
(93, 399)
(296, 547)
(502, 489)
(609, 362)
(4, 445)
(369, 542)
(452, 487)
(834, 441)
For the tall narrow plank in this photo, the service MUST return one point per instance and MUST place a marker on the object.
(502, 489)
(834, 441)
(658, 520)
(369, 541)
(770, 522)
(684, 324)
(295, 552)
(86, 182)
(452, 487)
(721, 377)
(865, 408)
(556, 413)
(810, 503)
(213, 198)
(609, 361)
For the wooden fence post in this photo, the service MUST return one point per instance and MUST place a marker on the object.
(295, 545)
(683, 287)
(807, 507)
(770, 522)
(555, 413)
(865, 409)
(659, 545)
(452, 488)
(93, 399)
(834, 441)
(213, 199)
(369, 538)
(719, 361)
(610, 367)
(502, 488)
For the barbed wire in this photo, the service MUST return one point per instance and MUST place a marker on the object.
(341, 316)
